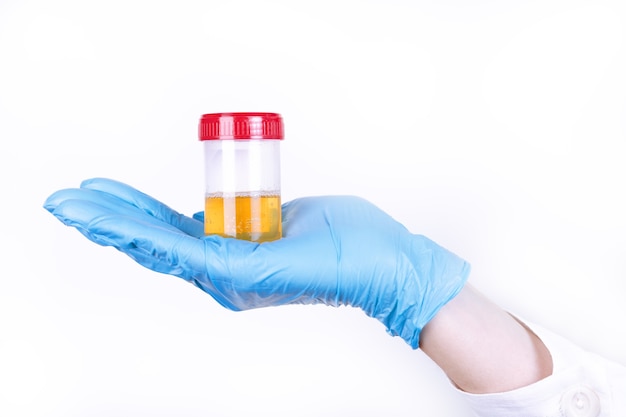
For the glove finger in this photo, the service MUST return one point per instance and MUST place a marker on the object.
(150, 242)
(237, 274)
(146, 203)
(79, 207)
(164, 250)
(83, 210)
(199, 216)
(106, 201)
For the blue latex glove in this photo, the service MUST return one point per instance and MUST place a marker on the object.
(336, 250)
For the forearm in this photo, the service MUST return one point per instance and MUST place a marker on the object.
(482, 348)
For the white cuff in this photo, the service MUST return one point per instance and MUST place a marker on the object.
(582, 384)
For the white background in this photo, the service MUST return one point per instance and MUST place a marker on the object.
(495, 128)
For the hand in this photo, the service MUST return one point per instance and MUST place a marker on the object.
(336, 250)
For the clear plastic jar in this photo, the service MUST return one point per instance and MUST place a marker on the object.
(242, 175)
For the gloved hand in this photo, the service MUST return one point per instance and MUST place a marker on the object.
(336, 250)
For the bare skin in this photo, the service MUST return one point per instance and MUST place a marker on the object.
(482, 348)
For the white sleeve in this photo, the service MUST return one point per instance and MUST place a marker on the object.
(582, 384)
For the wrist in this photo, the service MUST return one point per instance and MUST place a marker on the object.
(482, 348)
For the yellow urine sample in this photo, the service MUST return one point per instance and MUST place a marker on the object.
(254, 217)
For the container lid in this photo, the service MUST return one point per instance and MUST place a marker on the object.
(223, 126)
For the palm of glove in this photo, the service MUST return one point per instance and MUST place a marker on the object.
(336, 250)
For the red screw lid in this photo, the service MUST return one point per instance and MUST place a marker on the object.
(220, 126)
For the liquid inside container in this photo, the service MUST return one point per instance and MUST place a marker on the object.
(249, 216)
(242, 175)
